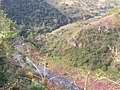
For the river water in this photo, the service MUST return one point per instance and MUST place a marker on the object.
(42, 71)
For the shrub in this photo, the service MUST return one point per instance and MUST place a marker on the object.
(36, 86)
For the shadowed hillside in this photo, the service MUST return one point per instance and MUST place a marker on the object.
(34, 13)
(83, 9)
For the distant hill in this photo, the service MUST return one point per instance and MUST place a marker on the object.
(79, 9)
(34, 13)
(48, 15)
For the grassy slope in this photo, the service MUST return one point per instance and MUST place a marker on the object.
(65, 59)
(114, 10)
(92, 46)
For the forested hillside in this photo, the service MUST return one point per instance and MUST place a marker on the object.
(12, 77)
(42, 16)
(91, 43)
(83, 9)
(35, 13)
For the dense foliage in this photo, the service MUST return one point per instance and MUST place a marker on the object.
(95, 50)
(11, 76)
(5, 34)
(92, 43)
(83, 9)
(35, 13)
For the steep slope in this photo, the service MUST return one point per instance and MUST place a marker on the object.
(76, 9)
(95, 44)
(79, 9)
(34, 13)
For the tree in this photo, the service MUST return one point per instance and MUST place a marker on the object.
(6, 25)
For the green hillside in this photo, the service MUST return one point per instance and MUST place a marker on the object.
(87, 43)
(12, 77)
(81, 9)
(34, 13)
(77, 41)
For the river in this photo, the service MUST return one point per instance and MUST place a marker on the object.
(40, 70)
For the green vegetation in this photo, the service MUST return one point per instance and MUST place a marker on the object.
(5, 34)
(114, 10)
(92, 46)
(95, 51)
(89, 8)
(11, 76)
(34, 13)
(74, 8)
(36, 86)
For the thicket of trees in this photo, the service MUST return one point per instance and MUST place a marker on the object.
(34, 13)
(12, 77)
(95, 51)
(83, 9)
(6, 27)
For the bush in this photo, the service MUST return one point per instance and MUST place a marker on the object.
(36, 86)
